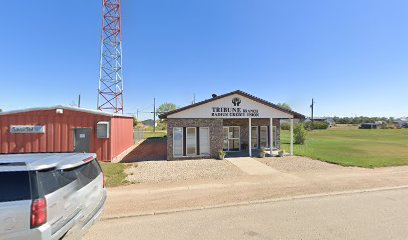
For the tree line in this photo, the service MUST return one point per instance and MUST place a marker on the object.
(362, 119)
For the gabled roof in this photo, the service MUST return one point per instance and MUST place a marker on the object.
(295, 114)
(92, 111)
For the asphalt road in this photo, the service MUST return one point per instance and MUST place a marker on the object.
(372, 215)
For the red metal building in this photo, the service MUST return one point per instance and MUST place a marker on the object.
(65, 129)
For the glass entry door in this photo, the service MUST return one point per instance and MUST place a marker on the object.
(232, 140)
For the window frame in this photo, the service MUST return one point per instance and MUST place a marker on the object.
(182, 141)
(266, 137)
(257, 137)
(195, 141)
(208, 139)
(274, 136)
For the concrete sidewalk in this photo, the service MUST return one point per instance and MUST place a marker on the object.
(252, 166)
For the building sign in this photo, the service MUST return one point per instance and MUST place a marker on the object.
(235, 110)
(26, 129)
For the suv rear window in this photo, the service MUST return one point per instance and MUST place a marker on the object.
(53, 179)
(14, 186)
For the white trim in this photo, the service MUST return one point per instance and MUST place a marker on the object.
(195, 141)
(65, 108)
(250, 137)
(271, 137)
(291, 136)
(182, 142)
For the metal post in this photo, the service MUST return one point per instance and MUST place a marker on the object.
(154, 115)
(79, 100)
(271, 135)
(312, 107)
(250, 137)
(291, 136)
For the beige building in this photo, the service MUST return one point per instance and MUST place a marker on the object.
(236, 122)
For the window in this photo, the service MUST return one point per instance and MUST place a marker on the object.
(254, 137)
(204, 141)
(88, 172)
(14, 186)
(177, 141)
(50, 180)
(263, 138)
(191, 141)
(275, 139)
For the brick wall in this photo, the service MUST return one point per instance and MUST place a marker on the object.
(216, 135)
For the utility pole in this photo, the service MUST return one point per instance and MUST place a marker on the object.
(154, 115)
(194, 98)
(79, 100)
(312, 108)
(137, 114)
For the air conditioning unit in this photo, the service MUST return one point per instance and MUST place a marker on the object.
(102, 129)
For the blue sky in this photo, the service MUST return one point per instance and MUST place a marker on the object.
(350, 55)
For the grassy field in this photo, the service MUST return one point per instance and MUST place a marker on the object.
(349, 146)
(114, 173)
(157, 134)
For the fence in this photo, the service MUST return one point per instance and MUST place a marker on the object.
(138, 135)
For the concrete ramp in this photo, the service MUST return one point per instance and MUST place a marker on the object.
(252, 166)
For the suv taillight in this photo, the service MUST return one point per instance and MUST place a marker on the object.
(38, 212)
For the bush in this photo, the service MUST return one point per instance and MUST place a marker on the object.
(390, 126)
(221, 154)
(317, 125)
(285, 126)
(299, 133)
(262, 152)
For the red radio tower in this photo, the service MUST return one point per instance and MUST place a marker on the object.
(110, 91)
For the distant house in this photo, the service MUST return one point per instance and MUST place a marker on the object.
(329, 120)
(401, 123)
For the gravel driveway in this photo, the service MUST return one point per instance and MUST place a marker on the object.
(158, 171)
(295, 164)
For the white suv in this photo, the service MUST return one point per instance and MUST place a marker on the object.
(49, 196)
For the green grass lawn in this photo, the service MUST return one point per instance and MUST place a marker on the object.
(349, 146)
(157, 134)
(114, 173)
